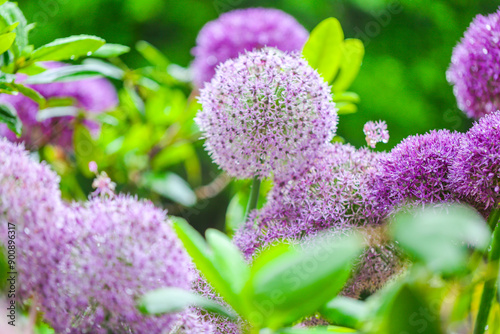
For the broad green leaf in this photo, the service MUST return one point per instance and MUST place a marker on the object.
(30, 93)
(8, 115)
(110, 50)
(345, 108)
(345, 311)
(152, 54)
(3, 1)
(11, 15)
(9, 28)
(32, 69)
(353, 51)
(323, 49)
(170, 300)
(228, 259)
(171, 186)
(172, 155)
(203, 258)
(411, 313)
(72, 47)
(75, 72)
(345, 97)
(235, 213)
(6, 41)
(440, 237)
(316, 330)
(296, 283)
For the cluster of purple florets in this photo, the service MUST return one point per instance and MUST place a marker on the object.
(266, 112)
(475, 69)
(85, 265)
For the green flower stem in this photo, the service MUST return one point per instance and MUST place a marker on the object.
(491, 275)
(254, 196)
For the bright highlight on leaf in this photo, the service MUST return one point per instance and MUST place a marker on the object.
(68, 48)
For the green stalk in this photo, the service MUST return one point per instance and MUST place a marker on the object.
(254, 196)
(492, 275)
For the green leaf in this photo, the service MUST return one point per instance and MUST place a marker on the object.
(345, 311)
(345, 108)
(3, 1)
(32, 69)
(75, 72)
(352, 56)
(86, 149)
(228, 260)
(72, 47)
(345, 97)
(293, 284)
(170, 300)
(8, 115)
(203, 258)
(316, 330)
(6, 41)
(235, 213)
(409, 312)
(171, 186)
(30, 93)
(152, 54)
(323, 49)
(172, 155)
(440, 237)
(110, 50)
(11, 15)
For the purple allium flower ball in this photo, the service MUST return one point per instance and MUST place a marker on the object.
(417, 169)
(475, 173)
(92, 96)
(243, 30)
(266, 112)
(475, 67)
(335, 193)
(376, 132)
(122, 249)
(30, 205)
(220, 325)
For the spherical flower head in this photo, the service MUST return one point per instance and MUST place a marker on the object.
(417, 169)
(475, 173)
(376, 132)
(32, 210)
(335, 193)
(90, 95)
(243, 30)
(266, 112)
(122, 248)
(475, 67)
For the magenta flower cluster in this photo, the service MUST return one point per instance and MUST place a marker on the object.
(266, 112)
(475, 172)
(375, 132)
(417, 170)
(238, 31)
(85, 265)
(334, 193)
(475, 69)
(90, 95)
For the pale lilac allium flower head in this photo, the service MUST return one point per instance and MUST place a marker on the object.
(475, 173)
(335, 193)
(266, 112)
(122, 249)
(30, 202)
(376, 132)
(475, 67)
(90, 95)
(242, 30)
(416, 170)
